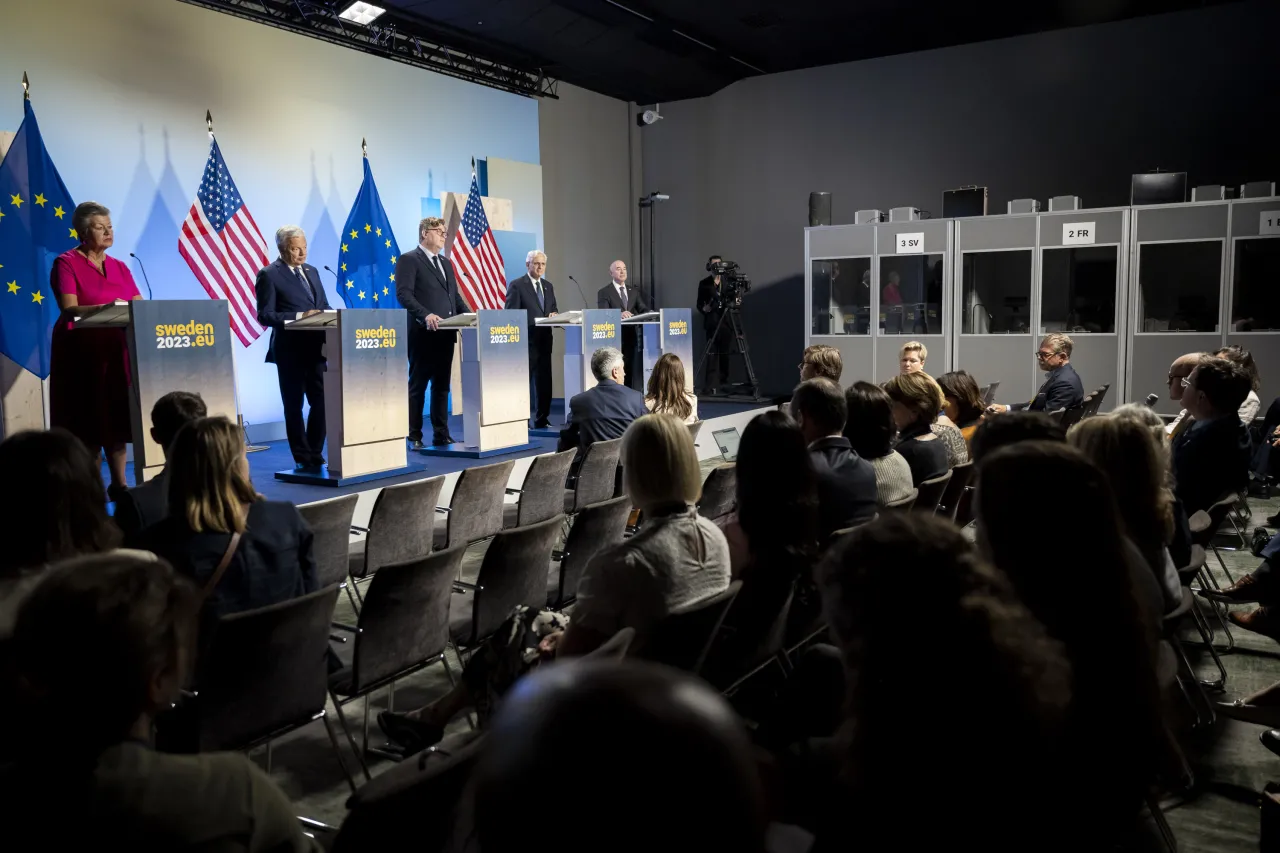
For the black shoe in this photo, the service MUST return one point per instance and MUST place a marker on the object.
(543, 425)
(443, 439)
(309, 467)
(416, 444)
(413, 735)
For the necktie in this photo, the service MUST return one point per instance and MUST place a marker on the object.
(537, 288)
(622, 292)
(307, 284)
(439, 267)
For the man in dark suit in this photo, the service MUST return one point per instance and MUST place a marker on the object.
(846, 481)
(628, 300)
(1211, 457)
(537, 296)
(1062, 389)
(428, 289)
(712, 305)
(605, 411)
(145, 504)
(290, 289)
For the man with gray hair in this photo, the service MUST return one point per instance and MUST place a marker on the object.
(537, 296)
(289, 288)
(1062, 388)
(605, 411)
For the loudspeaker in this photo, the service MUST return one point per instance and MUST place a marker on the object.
(819, 209)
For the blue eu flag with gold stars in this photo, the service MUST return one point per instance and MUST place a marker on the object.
(367, 257)
(35, 227)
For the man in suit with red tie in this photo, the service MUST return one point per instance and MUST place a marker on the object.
(290, 289)
(428, 289)
(630, 301)
(534, 294)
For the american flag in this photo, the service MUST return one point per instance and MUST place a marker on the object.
(223, 246)
(484, 279)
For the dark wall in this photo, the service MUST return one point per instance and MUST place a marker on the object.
(1072, 112)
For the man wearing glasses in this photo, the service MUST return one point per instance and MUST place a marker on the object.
(1062, 389)
(1178, 373)
(428, 289)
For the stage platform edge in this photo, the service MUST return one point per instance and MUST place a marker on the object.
(459, 450)
(324, 477)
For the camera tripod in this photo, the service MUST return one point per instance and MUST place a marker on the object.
(733, 316)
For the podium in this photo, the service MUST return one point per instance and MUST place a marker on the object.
(495, 385)
(584, 332)
(366, 395)
(174, 345)
(664, 331)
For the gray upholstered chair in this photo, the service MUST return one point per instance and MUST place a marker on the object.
(929, 492)
(904, 504)
(514, 572)
(330, 523)
(950, 500)
(719, 492)
(404, 627)
(401, 526)
(682, 640)
(597, 476)
(475, 510)
(597, 526)
(542, 492)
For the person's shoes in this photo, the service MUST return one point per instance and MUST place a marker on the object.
(1241, 710)
(116, 492)
(1271, 740)
(1244, 591)
(1262, 620)
(542, 425)
(443, 439)
(1274, 520)
(309, 467)
(413, 735)
(416, 444)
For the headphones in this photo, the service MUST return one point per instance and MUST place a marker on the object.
(710, 259)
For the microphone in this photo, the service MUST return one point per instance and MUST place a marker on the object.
(331, 272)
(580, 293)
(1151, 400)
(145, 280)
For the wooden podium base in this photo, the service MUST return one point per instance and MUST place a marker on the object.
(325, 477)
(460, 450)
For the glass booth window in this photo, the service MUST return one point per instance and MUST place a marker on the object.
(1255, 288)
(842, 296)
(911, 295)
(1078, 289)
(997, 293)
(1180, 284)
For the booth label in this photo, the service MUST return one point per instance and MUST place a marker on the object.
(911, 244)
(1269, 222)
(1078, 233)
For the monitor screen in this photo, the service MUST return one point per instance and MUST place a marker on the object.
(727, 441)
(1159, 188)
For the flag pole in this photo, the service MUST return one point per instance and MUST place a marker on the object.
(26, 87)
(364, 148)
(208, 120)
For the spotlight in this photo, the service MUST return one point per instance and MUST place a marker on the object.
(361, 13)
(648, 117)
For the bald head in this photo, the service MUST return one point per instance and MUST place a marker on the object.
(1181, 369)
(645, 758)
(618, 272)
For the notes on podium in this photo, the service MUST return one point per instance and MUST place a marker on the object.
(495, 384)
(366, 395)
(174, 345)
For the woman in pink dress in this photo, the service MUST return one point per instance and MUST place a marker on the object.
(89, 370)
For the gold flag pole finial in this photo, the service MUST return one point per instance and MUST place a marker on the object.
(364, 147)
(473, 165)
(208, 120)
(26, 87)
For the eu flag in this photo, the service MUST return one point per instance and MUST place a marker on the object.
(35, 227)
(367, 259)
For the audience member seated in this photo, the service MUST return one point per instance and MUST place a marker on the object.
(57, 509)
(821, 361)
(1062, 388)
(1180, 543)
(917, 399)
(604, 411)
(1243, 359)
(676, 560)
(101, 647)
(1178, 371)
(1014, 428)
(1138, 470)
(962, 401)
(947, 431)
(870, 429)
(666, 394)
(1211, 457)
(1261, 587)
(846, 482)
(595, 726)
(144, 505)
(214, 510)
(1046, 517)
(981, 643)
(911, 357)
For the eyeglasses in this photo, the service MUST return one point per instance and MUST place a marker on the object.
(1186, 381)
(803, 364)
(1045, 356)
(1182, 378)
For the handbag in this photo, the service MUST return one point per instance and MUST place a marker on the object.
(221, 569)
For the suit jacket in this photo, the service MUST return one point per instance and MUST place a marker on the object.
(520, 294)
(143, 506)
(604, 412)
(421, 290)
(1062, 390)
(607, 297)
(1210, 459)
(707, 293)
(281, 297)
(846, 485)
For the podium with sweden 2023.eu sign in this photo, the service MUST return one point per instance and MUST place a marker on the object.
(366, 403)
(666, 331)
(174, 345)
(495, 385)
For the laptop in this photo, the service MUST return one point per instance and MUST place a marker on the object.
(727, 441)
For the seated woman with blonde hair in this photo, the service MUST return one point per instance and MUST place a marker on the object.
(667, 393)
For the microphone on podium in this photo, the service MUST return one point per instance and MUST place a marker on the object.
(585, 304)
(145, 280)
(331, 272)
(1151, 400)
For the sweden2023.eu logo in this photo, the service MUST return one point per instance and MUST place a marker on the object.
(379, 338)
(184, 335)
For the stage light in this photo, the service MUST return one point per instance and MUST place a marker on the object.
(361, 13)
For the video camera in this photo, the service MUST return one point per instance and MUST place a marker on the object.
(733, 283)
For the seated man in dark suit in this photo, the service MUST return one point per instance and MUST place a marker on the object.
(1211, 458)
(144, 505)
(846, 481)
(1062, 388)
(605, 411)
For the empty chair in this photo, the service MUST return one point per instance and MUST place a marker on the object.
(596, 527)
(542, 492)
(1073, 415)
(404, 627)
(950, 500)
(930, 493)
(596, 478)
(514, 572)
(989, 393)
(1095, 401)
(330, 523)
(719, 492)
(401, 526)
(683, 639)
(904, 504)
(475, 509)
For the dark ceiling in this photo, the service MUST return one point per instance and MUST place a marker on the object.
(650, 51)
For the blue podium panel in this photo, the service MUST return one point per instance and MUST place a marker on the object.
(671, 332)
(601, 327)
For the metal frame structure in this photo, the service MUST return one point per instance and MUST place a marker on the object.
(319, 19)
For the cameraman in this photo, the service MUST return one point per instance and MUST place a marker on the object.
(712, 304)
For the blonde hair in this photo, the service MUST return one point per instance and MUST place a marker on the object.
(208, 483)
(916, 347)
(1137, 466)
(427, 224)
(917, 391)
(659, 464)
(826, 360)
(666, 387)
(1061, 343)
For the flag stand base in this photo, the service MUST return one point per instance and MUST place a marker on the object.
(244, 428)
